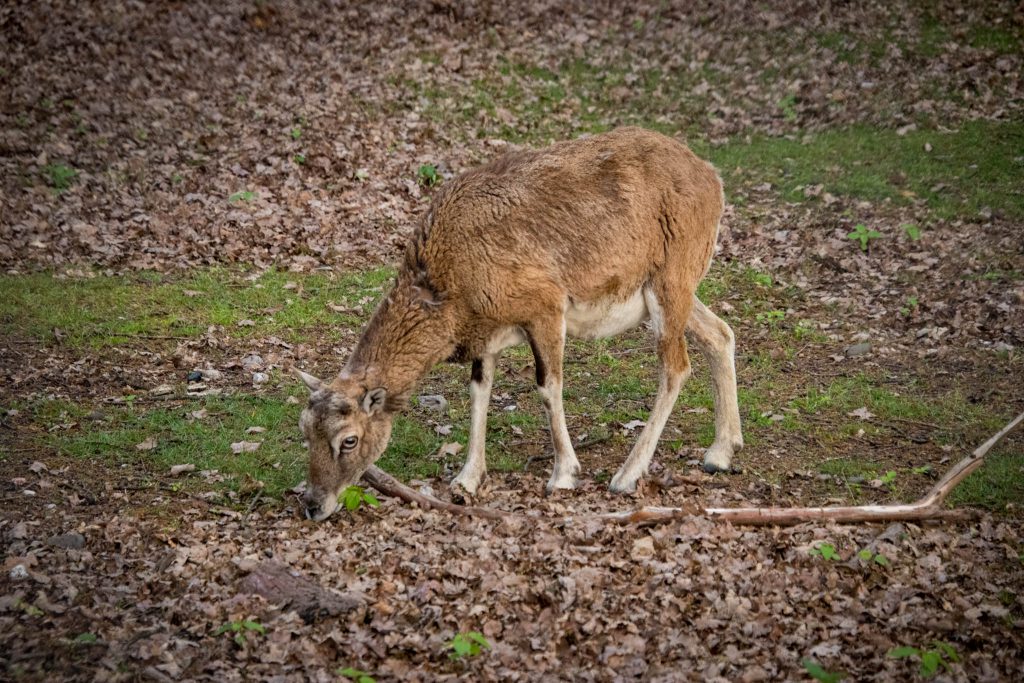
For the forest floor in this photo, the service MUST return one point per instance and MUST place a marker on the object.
(221, 189)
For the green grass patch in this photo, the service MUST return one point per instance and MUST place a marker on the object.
(279, 462)
(932, 36)
(950, 419)
(978, 165)
(998, 484)
(996, 38)
(106, 311)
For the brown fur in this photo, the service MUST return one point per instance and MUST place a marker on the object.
(513, 243)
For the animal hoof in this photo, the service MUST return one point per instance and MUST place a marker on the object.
(565, 485)
(459, 494)
(623, 487)
(718, 459)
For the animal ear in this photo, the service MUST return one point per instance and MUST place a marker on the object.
(424, 296)
(311, 382)
(374, 399)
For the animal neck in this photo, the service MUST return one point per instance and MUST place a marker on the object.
(408, 334)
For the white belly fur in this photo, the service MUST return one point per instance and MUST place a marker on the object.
(605, 317)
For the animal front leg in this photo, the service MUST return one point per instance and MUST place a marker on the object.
(548, 343)
(480, 397)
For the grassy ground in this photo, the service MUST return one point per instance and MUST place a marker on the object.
(794, 409)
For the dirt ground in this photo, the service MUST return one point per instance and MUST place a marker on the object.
(170, 112)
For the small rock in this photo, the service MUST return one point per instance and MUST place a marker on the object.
(510, 408)
(252, 362)
(177, 470)
(857, 349)
(260, 378)
(162, 390)
(643, 548)
(29, 492)
(37, 467)
(71, 540)
(434, 402)
(18, 573)
(195, 376)
(211, 374)
(245, 446)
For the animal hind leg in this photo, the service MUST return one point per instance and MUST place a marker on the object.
(669, 322)
(715, 338)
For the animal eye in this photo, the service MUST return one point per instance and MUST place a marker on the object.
(350, 442)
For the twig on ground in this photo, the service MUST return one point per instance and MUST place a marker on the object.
(536, 458)
(928, 507)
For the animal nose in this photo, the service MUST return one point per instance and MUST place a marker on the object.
(312, 512)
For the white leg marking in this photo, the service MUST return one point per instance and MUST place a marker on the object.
(480, 398)
(716, 340)
(639, 458)
(567, 466)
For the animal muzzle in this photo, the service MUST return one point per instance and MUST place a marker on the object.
(319, 506)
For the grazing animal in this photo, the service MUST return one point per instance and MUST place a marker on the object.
(587, 238)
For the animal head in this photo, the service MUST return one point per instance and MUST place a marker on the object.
(347, 425)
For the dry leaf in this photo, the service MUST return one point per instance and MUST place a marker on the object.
(147, 445)
(449, 449)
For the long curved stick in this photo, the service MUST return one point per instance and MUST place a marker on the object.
(928, 507)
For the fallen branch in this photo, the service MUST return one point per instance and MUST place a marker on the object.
(928, 507)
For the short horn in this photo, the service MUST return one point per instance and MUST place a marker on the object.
(311, 382)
